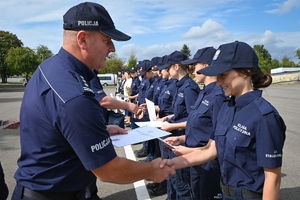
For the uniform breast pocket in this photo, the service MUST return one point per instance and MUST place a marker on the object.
(237, 146)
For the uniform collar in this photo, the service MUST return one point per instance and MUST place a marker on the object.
(77, 65)
(209, 87)
(245, 99)
(182, 81)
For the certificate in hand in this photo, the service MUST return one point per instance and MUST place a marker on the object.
(138, 135)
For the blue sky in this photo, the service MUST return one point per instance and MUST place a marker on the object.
(159, 27)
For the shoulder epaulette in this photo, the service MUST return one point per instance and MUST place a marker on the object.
(85, 86)
(264, 106)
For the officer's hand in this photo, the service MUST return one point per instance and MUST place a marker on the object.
(114, 130)
(159, 172)
(15, 123)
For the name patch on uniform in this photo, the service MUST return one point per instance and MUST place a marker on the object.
(180, 94)
(100, 91)
(168, 92)
(241, 128)
(100, 145)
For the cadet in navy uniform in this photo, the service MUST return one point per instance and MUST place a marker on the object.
(186, 94)
(249, 134)
(164, 108)
(135, 85)
(65, 143)
(205, 179)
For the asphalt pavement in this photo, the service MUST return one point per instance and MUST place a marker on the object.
(284, 97)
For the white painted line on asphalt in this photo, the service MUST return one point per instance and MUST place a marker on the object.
(140, 187)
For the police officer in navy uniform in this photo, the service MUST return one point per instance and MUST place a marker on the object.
(65, 143)
(249, 134)
(205, 178)
(187, 91)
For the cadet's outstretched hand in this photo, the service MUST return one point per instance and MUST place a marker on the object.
(167, 163)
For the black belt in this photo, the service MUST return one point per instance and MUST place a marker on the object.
(247, 194)
(49, 195)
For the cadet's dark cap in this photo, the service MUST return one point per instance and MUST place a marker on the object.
(133, 70)
(145, 67)
(154, 61)
(231, 56)
(204, 55)
(92, 16)
(161, 62)
(174, 58)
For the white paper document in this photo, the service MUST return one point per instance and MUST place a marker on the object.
(157, 124)
(151, 109)
(138, 135)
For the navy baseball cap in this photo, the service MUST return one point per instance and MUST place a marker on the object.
(154, 61)
(145, 67)
(161, 62)
(231, 56)
(204, 55)
(92, 16)
(174, 58)
(133, 70)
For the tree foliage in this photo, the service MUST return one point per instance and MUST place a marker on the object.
(113, 64)
(297, 52)
(22, 60)
(264, 58)
(43, 52)
(275, 63)
(287, 62)
(132, 61)
(7, 41)
(185, 49)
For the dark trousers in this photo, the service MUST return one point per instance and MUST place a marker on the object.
(19, 194)
(205, 184)
(178, 185)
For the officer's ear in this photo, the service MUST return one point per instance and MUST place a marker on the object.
(82, 39)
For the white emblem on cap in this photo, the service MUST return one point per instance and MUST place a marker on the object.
(217, 54)
(88, 23)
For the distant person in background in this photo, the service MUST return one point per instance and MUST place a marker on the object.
(3, 187)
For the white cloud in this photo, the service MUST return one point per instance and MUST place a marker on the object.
(285, 7)
(209, 28)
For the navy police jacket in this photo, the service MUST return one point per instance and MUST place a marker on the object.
(249, 136)
(184, 99)
(203, 115)
(63, 134)
(166, 97)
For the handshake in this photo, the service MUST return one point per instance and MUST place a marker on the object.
(162, 169)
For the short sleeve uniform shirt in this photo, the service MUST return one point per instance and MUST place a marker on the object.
(63, 134)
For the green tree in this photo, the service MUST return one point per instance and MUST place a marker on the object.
(287, 62)
(185, 49)
(43, 52)
(297, 52)
(113, 64)
(275, 63)
(131, 61)
(7, 41)
(22, 60)
(264, 58)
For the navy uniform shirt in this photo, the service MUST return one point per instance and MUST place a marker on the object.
(150, 90)
(249, 136)
(135, 85)
(203, 115)
(184, 99)
(157, 90)
(145, 84)
(63, 134)
(166, 98)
